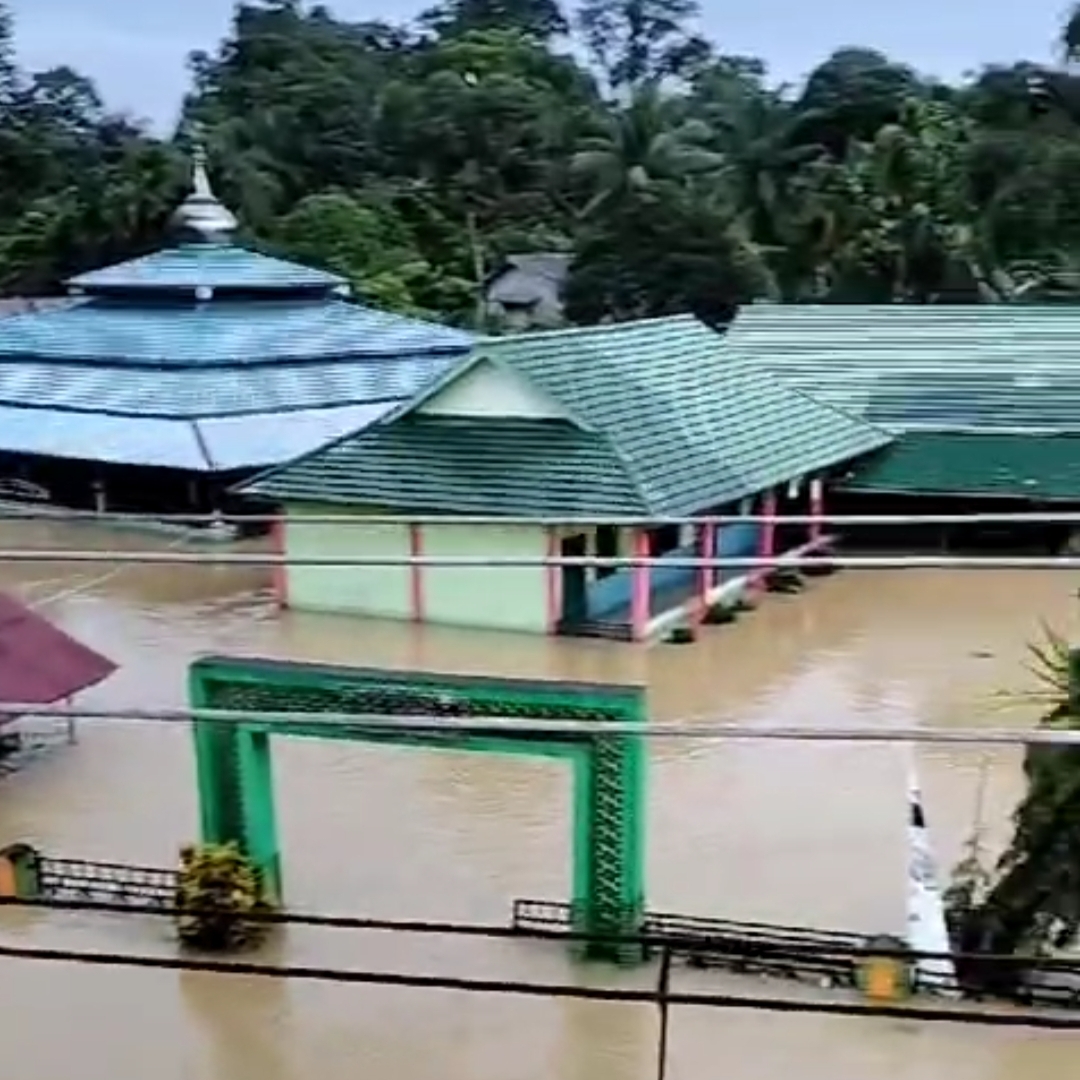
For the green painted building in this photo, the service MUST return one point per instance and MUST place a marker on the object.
(984, 399)
(638, 421)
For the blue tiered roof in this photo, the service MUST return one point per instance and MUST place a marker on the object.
(207, 357)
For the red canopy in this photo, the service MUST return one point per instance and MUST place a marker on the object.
(39, 663)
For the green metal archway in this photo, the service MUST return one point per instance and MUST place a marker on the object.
(235, 776)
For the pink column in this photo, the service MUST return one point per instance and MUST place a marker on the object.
(817, 508)
(416, 573)
(706, 575)
(279, 578)
(639, 584)
(553, 581)
(767, 543)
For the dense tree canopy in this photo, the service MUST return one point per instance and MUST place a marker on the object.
(413, 158)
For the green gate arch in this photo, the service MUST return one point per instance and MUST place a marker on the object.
(235, 777)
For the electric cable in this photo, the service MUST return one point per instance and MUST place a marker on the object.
(718, 941)
(985, 1017)
(447, 725)
(208, 557)
(10, 512)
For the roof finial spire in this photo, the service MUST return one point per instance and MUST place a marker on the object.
(201, 218)
(200, 181)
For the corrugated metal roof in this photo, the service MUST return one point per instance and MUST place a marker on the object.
(215, 391)
(221, 333)
(934, 367)
(213, 266)
(118, 440)
(253, 441)
(1044, 468)
(212, 445)
(450, 464)
(694, 427)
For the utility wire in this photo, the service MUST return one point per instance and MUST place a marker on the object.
(985, 1017)
(381, 725)
(210, 557)
(31, 513)
(738, 938)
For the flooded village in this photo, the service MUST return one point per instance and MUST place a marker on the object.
(378, 416)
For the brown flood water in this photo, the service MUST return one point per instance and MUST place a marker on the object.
(785, 832)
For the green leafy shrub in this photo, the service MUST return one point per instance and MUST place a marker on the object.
(218, 891)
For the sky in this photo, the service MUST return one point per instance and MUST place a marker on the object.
(135, 50)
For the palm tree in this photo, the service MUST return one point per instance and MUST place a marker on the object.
(643, 148)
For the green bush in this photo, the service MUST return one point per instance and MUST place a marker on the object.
(218, 891)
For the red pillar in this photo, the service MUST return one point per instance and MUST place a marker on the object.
(817, 508)
(279, 578)
(767, 543)
(553, 581)
(416, 573)
(706, 575)
(639, 585)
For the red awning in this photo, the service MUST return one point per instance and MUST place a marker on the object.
(39, 662)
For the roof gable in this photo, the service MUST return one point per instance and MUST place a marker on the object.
(488, 389)
(691, 426)
(695, 426)
(909, 367)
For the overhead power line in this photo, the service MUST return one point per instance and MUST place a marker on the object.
(213, 557)
(509, 726)
(704, 942)
(955, 1014)
(32, 513)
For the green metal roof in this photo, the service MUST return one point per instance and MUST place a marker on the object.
(1044, 468)
(462, 465)
(692, 427)
(978, 367)
(210, 266)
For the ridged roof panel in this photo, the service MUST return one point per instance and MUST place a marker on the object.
(116, 334)
(207, 446)
(985, 367)
(693, 427)
(216, 391)
(212, 266)
(1044, 468)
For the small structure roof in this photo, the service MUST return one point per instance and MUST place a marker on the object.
(1045, 468)
(40, 664)
(653, 418)
(218, 267)
(965, 368)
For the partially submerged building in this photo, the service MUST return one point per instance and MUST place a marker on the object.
(167, 378)
(984, 399)
(636, 422)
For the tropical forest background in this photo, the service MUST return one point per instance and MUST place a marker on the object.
(413, 158)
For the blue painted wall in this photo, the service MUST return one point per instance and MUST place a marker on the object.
(609, 598)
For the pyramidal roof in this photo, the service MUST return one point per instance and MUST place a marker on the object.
(192, 268)
(205, 260)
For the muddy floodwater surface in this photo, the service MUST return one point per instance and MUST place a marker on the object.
(808, 834)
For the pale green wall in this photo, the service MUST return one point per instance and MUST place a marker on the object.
(503, 598)
(379, 591)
